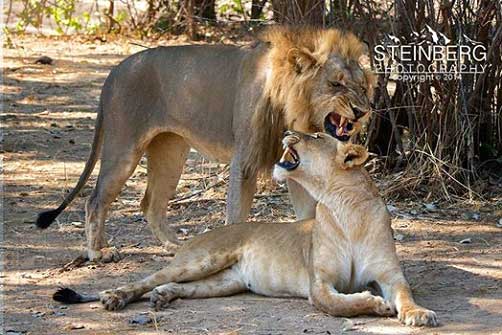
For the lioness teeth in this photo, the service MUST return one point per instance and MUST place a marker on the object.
(285, 154)
(288, 155)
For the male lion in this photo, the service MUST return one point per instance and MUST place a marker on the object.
(329, 260)
(231, 104)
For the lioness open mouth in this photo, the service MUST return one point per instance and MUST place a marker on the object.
(290, 159)
(338, 126)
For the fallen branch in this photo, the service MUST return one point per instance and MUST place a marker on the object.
(193, 194)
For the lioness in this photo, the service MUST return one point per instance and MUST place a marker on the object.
(231, 104)
(346, 248)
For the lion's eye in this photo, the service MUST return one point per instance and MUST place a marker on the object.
(336, 84)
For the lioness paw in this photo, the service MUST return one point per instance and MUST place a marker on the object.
(113, 300)
(418, 316)
(382, 307)
(161, 297)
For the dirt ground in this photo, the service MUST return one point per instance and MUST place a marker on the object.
(48, 119)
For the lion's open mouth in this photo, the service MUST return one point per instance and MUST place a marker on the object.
(290, 159)
(338, 126)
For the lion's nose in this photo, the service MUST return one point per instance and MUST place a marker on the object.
(357, 112)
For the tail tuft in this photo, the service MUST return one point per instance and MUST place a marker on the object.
(67, 296)
(45, 219)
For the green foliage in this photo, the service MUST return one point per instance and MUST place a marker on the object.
(62, 12)
(164, 17)
(231, 7)
(121, 16)
(32, 14)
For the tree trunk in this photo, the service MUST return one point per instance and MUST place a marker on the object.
(188, 9)
(257, 8)
(109, 14)
(299, 11)
(205, 9)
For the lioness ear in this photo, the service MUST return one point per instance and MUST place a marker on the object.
(352, 155)
(302, 60)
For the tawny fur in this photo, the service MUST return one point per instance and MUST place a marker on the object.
(330, 260)
(287, 96)
(229, 103)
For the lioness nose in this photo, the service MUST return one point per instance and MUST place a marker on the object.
(289, 132)
(357, 112)
(290, 138)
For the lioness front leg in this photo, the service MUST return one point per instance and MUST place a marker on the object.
(396, 289)
(224, 283)
(241, 190)
(327, 299)
(189, 264)
(116, 299)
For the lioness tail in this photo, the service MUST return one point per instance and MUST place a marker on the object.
(68, 296)
(45, 219)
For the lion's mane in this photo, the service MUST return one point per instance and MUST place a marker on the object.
(285, 101)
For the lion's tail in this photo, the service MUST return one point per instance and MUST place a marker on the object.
(68, 296)
(45, 219)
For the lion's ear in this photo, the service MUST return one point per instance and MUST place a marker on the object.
(365, 48)
(351, 155)
(302, 60)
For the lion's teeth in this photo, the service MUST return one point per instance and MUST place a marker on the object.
(342, 121)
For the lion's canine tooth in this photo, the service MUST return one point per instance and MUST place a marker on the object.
(342, 121)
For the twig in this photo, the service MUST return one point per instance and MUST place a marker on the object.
(140, 45)
(193, 194)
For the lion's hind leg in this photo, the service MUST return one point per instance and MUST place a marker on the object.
(221, 284)
(166, 155)
(117, 165)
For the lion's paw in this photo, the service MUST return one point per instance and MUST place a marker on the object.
(418, 316)
(161, 297)
(170, 248)
(113, 300)
(105, 255)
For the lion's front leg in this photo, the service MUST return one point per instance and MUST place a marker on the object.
(240, 193)
(396, 289)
